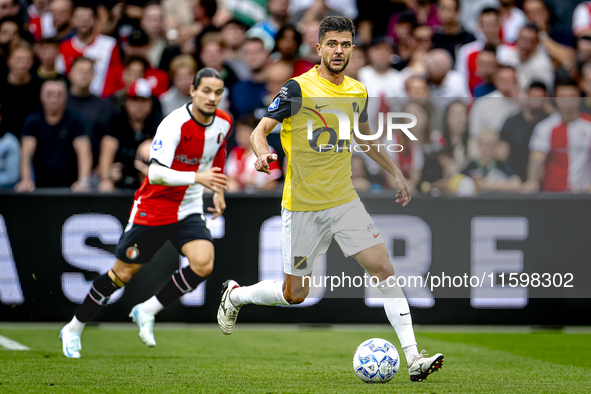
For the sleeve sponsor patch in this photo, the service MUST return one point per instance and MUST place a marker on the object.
(157, 145)
(275, 104)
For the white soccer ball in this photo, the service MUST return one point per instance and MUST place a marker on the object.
(376, 361)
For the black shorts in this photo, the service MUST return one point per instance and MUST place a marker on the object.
(138, 244)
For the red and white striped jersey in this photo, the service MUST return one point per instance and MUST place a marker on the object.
(181, 144)
(568, 146)
(107, 61)
(40, 26)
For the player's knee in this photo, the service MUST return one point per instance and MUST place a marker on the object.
(201, 266)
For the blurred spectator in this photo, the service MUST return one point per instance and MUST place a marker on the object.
(512, 20)
(14, 10)
(267, 29)
(583, 50)
(490, 29)
(212, 55)
(517, 130)
(490, 174)
(356, 63)
(101, 49)
(55, 144)
(9, 157)
(246, 96)
(425, 11)
(247, 12)
(40, 20)
(152, 23)
(491, 111)
(416, 86)
(486, 67)
(308, 55)
(582, 18)
(586, 87)
(47, 51)
(373, 24)
(19, 92)
(182, 69)
(346, 8)
(233, 36)
(455, 133)
(451, 34)
(134, 68)
(405, 42)
(359, 174)
(138, 45)
(530, 61)
(240, 164)
(315, 10)
(560, 157)
(61, 13)
(10, 38)
(95, 111)
(438, 177)
(136, 124)
(557, 44)
(287, 45)
(423, 36)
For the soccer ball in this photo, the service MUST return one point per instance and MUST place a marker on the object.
(376, 361)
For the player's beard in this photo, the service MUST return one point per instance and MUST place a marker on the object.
(334, 71)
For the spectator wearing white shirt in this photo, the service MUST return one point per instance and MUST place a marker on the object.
(512, 20)
(531, 61)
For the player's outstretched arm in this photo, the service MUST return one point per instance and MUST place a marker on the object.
(380, 156)
(258, 140)
(211, 178)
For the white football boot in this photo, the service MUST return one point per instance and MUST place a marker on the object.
(227, 312)
(421, 366)
(145, 322)
(71, 344)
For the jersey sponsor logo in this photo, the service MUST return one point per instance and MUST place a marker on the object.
(193, 161)
(220, 137)
(132, 252)
(275, 104)
(300, 262)
(157, 144)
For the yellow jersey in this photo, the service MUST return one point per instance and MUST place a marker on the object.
(319, 157)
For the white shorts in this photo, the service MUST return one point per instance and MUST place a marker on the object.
(307, 235)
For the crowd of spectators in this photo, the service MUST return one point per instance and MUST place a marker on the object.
(501, 88)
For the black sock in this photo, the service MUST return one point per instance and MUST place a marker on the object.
(182, 282)
(98, 296)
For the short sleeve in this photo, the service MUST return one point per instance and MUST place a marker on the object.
(30, 126)
(281, 106)
(540, 139)
(78, 128)
(363, 117)
(166, 140)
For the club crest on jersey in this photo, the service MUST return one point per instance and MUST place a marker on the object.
(132, 252)
(157, 144)
(220, 137)
(274, 105)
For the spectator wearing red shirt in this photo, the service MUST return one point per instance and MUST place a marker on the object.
(100, 48)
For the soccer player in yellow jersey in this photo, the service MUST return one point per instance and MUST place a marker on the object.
(319, 202)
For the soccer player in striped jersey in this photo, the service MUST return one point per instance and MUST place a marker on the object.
(188, 154)
(319, 202)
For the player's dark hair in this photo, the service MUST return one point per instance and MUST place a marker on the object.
(538, 85)
(489, 10)
(82, 59)
(335, 23)
(206, 72)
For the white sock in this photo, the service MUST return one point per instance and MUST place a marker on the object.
(267, 292)
(398, 312)
(76, 325)
(152, 306)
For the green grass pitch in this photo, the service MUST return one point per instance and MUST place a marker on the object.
(261, 360)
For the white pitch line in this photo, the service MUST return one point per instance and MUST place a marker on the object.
(11, 345)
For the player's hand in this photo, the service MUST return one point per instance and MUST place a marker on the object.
(219, 204)
(263, 161)
(403, 195)
(26, 185)
(212, 179)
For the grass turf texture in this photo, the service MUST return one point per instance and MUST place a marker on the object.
(289, 361)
